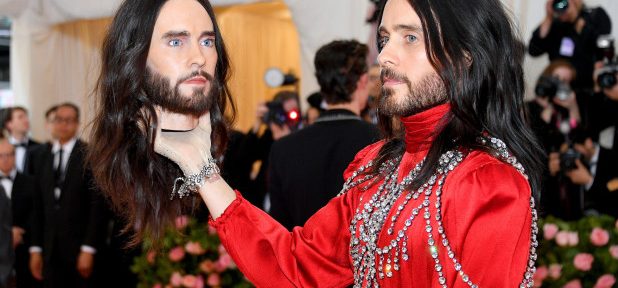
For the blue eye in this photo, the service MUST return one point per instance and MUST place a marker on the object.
(411, 38)
(382, 41)
(208, 42)
(175, 42)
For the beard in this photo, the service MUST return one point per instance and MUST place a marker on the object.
(429, 92)
(158, 89)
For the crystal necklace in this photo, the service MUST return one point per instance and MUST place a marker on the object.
(372, 262)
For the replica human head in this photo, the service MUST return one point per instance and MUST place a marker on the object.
(461, 52)
(157, 53)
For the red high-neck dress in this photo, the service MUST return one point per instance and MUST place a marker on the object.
(485, 210)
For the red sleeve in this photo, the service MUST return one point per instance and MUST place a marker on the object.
(490, 215)
(316, 255)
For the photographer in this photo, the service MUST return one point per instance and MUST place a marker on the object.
(570, 31)
(555, 110)
(258, 145)
(601, 180)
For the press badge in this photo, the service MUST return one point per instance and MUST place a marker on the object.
(567, 47)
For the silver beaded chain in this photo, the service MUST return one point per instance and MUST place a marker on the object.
(192, 183)
(369, 220)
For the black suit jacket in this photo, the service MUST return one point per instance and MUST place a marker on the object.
(32, 146)
(306, 167)
(600, 198)
(76, 218)
(24, 187)
(7, 253)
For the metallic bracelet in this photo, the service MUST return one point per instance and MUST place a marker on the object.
(192, 183)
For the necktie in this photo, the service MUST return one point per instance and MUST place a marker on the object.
(58, 170)
(2, 177)
(23, 145)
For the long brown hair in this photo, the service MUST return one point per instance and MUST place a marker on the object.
(479, 56)
(131, 174)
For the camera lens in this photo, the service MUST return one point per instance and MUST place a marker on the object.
(607, 79)
(546, 86)
(560, 6)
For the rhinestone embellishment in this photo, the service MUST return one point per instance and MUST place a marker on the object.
(372, 262)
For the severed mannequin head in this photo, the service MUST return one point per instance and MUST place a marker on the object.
(164, 64)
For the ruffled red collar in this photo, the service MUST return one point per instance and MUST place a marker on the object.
(421, 128)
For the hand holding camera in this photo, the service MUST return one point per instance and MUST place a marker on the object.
(580, 174)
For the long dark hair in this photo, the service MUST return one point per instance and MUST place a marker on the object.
(132, 175)
(474, 48)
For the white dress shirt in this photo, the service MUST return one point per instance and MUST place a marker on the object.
(7, 184)
(67, 148)
(20, 152)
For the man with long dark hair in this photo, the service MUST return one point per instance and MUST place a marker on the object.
(158, 57)
(448, 201)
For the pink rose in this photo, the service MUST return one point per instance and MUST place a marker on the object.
(194, 248)
(213, 280)
(225, 261)
(182, 222)
(176, 279)
(540, 275)
(573, 239)
(573, 284)
(176, 254)
(212, 230)
(583, 261)
(207, 266)
(605, 281)
(616, 224)
(550, 230)
(555, 270)
(150, 257)
(199, 282)
(562, 238)
(614, 251)
(599, 237)
(158, 285)
(189, 281)
(222, 249)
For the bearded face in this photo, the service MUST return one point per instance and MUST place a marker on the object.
(159, 90)
(410, 83)
(426, 93)
(182, 59)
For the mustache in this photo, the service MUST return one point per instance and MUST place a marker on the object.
(393, 75)
(196, 73)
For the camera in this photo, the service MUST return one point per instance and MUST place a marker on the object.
(568, 159)
(560, 7)
(276, 114)
(550, 86)
(606, 52)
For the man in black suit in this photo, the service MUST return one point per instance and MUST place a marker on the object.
(69, 214)
(306, 167)
(18, 126)
(20, 190)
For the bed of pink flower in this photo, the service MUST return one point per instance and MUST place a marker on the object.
(578, 254)
(190, 256)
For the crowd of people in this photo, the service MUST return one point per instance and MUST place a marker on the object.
(59, 230)
(573, 112)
